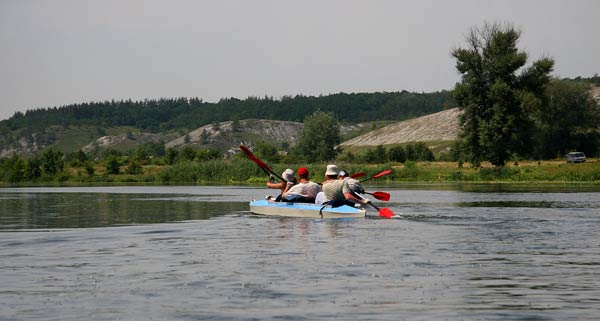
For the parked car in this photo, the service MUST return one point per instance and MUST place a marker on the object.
(575, 157)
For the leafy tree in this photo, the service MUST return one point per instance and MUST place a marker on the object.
(380, 154)
(370, 156)
(141, 154)
(171, 156)
(144, 151)
(497, 101)
(187, 154)
(321, 133)
(15, 169)
(266, 151)
(52, 162)
(423, 153)
(112, 165)
(33, 169)
(89, 168)
(134, 167)
(457, 153)
(410, 152)
(570, 120)
(81, 157)
(397, 154)
(347, 156)
(208, 154)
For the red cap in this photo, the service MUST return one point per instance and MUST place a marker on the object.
(302, 171)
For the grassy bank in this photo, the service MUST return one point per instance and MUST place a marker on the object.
(526, 172)
(243, 171)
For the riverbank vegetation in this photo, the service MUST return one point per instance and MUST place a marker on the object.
(239, 170)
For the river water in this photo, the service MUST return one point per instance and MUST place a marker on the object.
(196, 253)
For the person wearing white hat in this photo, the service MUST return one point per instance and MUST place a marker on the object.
(337, 191)
(290, 180)
(354, 184)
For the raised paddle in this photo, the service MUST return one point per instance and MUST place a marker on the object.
(357, 175)
(385, 172)
(260, 163)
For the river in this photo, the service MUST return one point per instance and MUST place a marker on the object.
(196, 253)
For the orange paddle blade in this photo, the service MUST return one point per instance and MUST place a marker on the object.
(386, 213)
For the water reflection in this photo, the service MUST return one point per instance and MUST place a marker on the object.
(84, 210)
(452, 255)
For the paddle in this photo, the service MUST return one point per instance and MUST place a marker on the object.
(382, 196)
(357, 175)
(385, 172)
(260, 163)
(383, 212)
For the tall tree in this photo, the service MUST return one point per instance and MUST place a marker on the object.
(496, 98)
(52, 162)
(321, 133)
(570, 120)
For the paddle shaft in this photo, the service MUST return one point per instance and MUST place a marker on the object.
(260, 163)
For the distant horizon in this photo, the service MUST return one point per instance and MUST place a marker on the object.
(279, 98)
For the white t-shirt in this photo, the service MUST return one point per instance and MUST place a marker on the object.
(304, 189)
(320, 199)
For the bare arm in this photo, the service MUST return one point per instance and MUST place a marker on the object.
(279, 185)
(349, 196)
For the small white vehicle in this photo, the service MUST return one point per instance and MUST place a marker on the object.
(575, 157)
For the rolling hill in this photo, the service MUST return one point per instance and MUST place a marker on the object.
(440, 126)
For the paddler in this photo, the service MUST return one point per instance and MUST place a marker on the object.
(290, 180)
(337, 191)
(303, 192)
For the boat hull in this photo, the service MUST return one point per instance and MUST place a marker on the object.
(264, 207)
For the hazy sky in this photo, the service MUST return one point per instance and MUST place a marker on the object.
(60, 52)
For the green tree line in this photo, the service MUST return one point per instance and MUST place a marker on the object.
(185, 113)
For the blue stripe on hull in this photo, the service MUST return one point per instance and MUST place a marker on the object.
(265, 207)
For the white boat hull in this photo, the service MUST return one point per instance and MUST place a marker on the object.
(264, 207)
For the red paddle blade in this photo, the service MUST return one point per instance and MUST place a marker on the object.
(357, 175)
(382, 196)
(386, 213)
(385, 172)
(254, 158)
(261, 164)
(247, 151)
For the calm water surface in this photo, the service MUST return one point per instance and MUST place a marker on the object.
(196, 253)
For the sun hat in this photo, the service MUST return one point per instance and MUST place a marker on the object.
(343, 173)
(332, 170)
(302, 171)
(288, 175)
